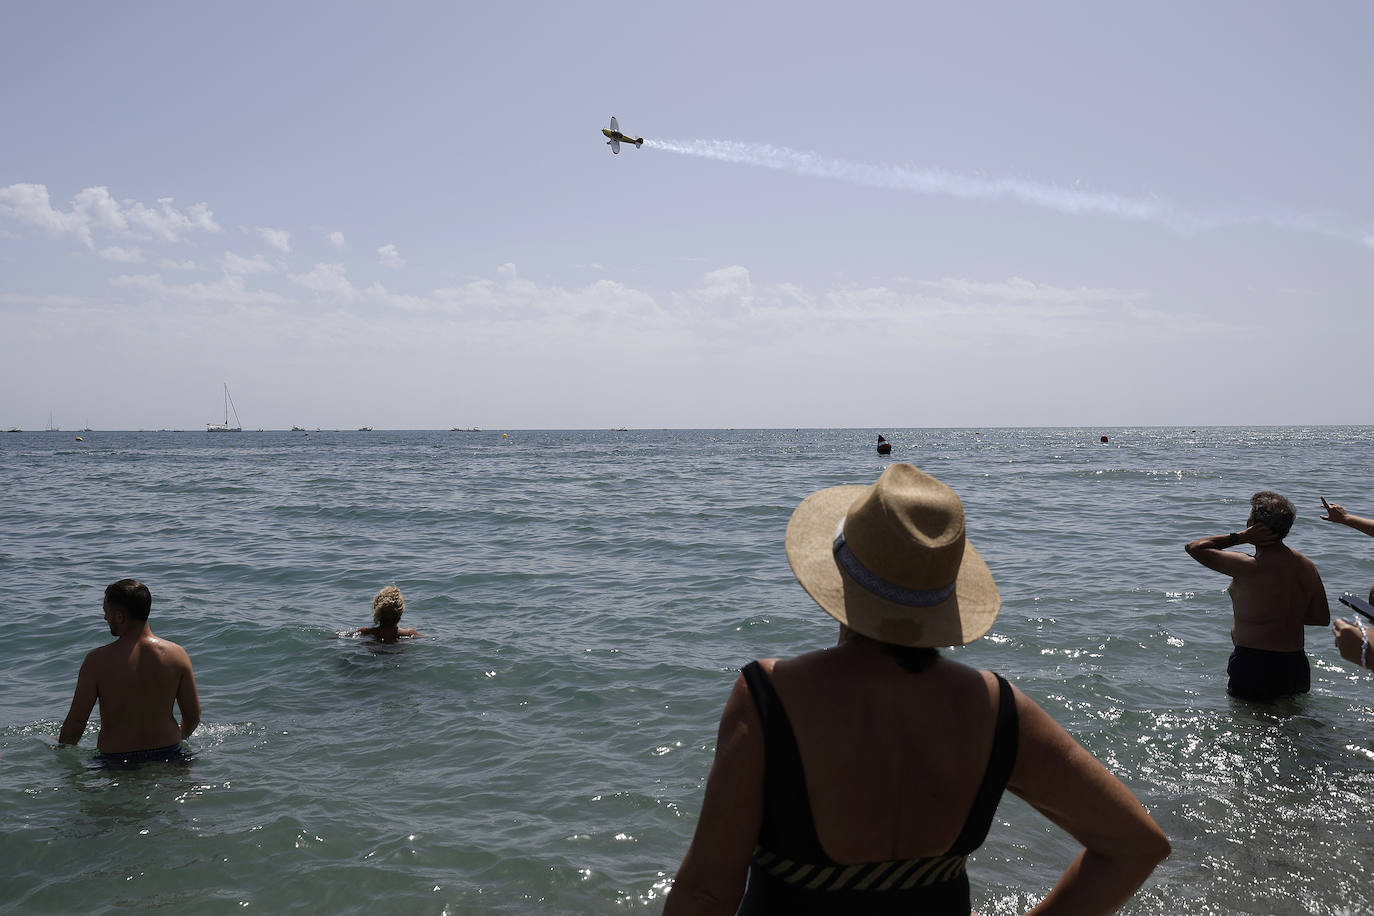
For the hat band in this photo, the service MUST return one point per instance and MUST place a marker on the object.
(888, 591)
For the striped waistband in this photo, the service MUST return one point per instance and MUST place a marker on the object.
(894, 875)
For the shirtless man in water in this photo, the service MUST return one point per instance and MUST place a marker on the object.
(1274, 594)
(136, 679)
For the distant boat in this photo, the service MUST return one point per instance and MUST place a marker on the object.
(298, 429)
(14, 429)
(364, 429)
(225, 427)
(465, 429)
(52, 427)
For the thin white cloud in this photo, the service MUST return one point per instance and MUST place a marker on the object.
(329, 282)
(45, 300)
(95, 210)
(121, 255)
(100, 209)
(169, 264)
(279, 239)
(166, 222)
(726, 308)
(1021, 290)
(236, 264)
(388, 256)
(336, 239)
(30, 205)
(228, 290)
(723, 291)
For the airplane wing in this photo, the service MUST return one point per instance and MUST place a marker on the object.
(614, 126)
(615, 144)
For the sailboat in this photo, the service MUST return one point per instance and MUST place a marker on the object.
(225, 427)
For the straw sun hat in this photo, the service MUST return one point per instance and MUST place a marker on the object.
(890, 561)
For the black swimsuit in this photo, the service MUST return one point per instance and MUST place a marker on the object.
(790, 872)
(172, 753)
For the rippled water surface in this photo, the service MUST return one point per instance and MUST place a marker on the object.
(587, 598)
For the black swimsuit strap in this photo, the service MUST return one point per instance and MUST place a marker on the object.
(1005, 740)
(787, 806)
(761, 690)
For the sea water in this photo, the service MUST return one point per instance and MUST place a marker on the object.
(587, 598)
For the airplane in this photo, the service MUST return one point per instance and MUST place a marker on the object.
(618, 138)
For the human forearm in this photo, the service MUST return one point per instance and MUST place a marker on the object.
(188, 701)
(1215, 542)
(1352, 640)
(79, 712)
(687, 900)
(72, 730)
(1097, 883)
(1362, 525)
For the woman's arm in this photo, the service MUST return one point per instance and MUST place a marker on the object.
(712, 876)
(1335, 512)
(1122, 843)
(1352, 640)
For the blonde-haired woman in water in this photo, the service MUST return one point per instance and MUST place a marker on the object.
(387, 609)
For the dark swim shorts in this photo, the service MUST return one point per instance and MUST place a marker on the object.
(1262, 674)
(173, 753)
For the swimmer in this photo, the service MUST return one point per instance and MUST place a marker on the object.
(387, 609)
(136, 680)
(1274, 594)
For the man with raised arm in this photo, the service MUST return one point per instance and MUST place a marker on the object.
(1274, 594)
(136, 679)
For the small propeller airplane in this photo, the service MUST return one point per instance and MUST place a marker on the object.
(617, 138)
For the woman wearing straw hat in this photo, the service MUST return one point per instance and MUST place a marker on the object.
(857, 779)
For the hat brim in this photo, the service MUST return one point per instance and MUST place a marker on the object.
(962, 618)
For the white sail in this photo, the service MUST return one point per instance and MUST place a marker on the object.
(225, 427)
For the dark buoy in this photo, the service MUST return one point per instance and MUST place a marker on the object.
(1104, 438)
(884, 447)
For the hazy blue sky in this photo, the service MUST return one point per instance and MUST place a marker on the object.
(883, 215)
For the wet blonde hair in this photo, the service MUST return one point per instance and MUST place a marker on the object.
(388, 606)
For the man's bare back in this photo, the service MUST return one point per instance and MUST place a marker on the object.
(1274, 594)
(1274, 597)
(136, 679)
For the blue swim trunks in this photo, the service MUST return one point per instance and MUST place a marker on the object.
(173, 753)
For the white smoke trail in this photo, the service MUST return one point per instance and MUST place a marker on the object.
(965, 187)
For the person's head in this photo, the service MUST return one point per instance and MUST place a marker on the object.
(388, 607)
(891, 562)
(1273, 511)
(129, 597)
